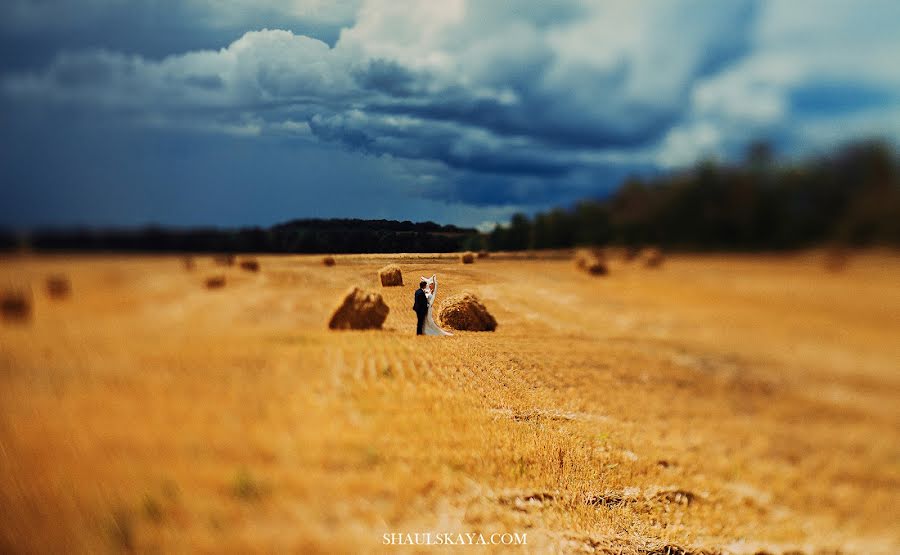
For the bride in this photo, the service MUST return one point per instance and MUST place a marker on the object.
(430, 327)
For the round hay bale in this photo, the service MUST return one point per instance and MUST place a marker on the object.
(360, 310)
(465, 312)
(215, 282)
(15, 304)
(391, 276)
(596, 267)
(250, 264)
(631, 253)
(467, 257)
(483, 254)
(224, 260)
(58, 286)
(328, 261)
(592, 261)
(836, 260)
(652, 257)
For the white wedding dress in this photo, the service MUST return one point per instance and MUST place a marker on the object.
(430, 327)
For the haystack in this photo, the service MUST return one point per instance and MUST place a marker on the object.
(483, 254)
(215, 282)
(467, 257)
(58, 286)
(250, 264)
(391, 275)
(360, 310)
(652, 257)
(466, 312)
(15, 304)
(224, 260)
(836, 259)
(592, 261)
(328, 261)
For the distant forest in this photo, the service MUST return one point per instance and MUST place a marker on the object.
(849, 197)
(297, 236)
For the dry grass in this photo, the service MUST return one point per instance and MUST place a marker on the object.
(717, 403)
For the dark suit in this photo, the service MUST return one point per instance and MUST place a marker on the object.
(421, 307)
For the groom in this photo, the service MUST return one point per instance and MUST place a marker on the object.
(421, 307)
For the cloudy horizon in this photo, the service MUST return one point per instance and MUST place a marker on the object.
(244, 112)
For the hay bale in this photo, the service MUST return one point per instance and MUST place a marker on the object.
(631, 253)
(250, 264)
(592, 261)
(483, 254)
(58, 286)
(360, 310)
(15, 304)
(836, 259)
(652, 257)
(224, 260)
(466, 312)
(467, 257)
(215, 282)
(596, 267)
(391, 276)
(328, 261)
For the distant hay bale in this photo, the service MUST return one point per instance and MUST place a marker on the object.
(466, 312)
(467, 257)
(188, 263)
(359, 310)
(836, 259)
(592, 261)
(596, 267)
(224, 260)
(58, 286)
(483, 254)
(391, 276)
(328, 261)
(15, 304)
(215, 282)
(630, 253)
(250, 264)
(652, 257)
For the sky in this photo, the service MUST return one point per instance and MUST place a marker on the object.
(252, 112)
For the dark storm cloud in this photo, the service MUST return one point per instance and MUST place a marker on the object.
(483, 103)
(388, 77)
(512, 102)
(533, 191)
(33, 33)
(839, 97)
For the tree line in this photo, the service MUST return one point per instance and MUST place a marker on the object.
(297, 236)
(850, 196)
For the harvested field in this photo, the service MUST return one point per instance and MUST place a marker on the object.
(735, 404)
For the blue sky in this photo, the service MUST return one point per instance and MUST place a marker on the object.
(251, 112)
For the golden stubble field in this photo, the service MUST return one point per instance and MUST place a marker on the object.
(721, 403)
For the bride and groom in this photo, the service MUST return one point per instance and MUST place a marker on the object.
(424, 301)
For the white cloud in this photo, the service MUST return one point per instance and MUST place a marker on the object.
(800, 45)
